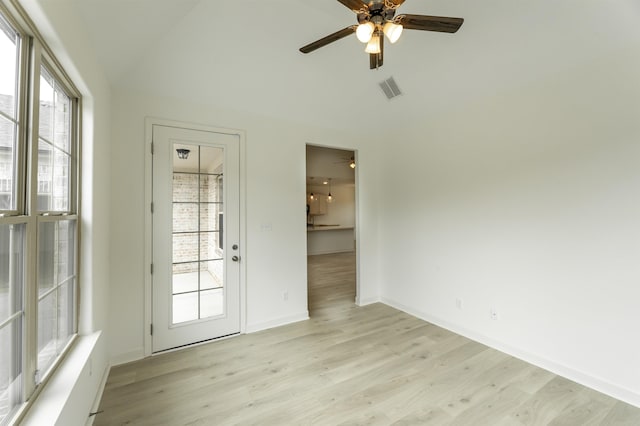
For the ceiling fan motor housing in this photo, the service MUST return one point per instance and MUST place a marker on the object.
(377, 16)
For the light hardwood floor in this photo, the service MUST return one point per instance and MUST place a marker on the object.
(349, 365)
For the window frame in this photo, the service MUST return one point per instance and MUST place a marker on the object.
(35, 53)
(21, 108)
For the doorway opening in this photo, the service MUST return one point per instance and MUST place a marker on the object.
(331, 229)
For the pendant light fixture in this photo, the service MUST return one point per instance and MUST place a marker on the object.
(183, 153)
(329, 197)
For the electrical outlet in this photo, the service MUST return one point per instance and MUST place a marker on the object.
(493, 312)
(459, 304)
(285, 295)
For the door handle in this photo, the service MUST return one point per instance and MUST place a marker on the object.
(235, 258)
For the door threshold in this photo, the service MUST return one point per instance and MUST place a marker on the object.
(191, 345)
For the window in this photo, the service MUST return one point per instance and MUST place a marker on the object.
(54, 145)
(10, 56)
(38, 215)
(12, 280)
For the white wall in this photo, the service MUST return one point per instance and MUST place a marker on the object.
(275, 253)
(61, 27)
(527, 201)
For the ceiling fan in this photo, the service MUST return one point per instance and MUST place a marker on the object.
(377, 18)
(351, 161)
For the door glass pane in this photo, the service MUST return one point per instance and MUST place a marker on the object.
(197, 224)
(209, 216)
(185, 307)
(185, 187)
(185, 247)
(211, 159)
(185, 277)
(208, 246)
(211, 188)
(211, 275)
(211, 303)
(183, 214)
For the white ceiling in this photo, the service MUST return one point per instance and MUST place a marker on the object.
(243, 55)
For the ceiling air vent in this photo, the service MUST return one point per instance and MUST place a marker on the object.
(390, 88)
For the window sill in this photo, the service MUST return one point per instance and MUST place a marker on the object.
(71, 391)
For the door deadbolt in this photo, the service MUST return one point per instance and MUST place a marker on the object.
(235, 247)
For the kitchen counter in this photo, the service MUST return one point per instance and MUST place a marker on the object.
(327, 228)
(323, 239)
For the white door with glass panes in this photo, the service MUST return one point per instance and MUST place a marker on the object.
(196, 227)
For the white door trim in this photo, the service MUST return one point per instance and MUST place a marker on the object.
(148, 223)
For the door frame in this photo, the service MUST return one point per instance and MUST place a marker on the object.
(358, 301)
(148, 218)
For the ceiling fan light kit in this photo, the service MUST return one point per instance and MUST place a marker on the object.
(392, 31)
(378, 17)
(374, 45)
(365, 31)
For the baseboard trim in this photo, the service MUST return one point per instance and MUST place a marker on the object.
(585, 379)
(252, 328)
(367, 301)
(127, 357)
(96, 402)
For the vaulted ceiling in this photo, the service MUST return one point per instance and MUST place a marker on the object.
(243, 55)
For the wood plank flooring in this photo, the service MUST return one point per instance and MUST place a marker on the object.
(349, 365)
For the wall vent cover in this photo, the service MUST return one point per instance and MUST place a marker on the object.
(390, 88)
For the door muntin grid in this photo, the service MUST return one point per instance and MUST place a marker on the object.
(197, 288)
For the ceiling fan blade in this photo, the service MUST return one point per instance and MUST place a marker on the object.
(430, 23)
(355, 5)
(328, 39)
